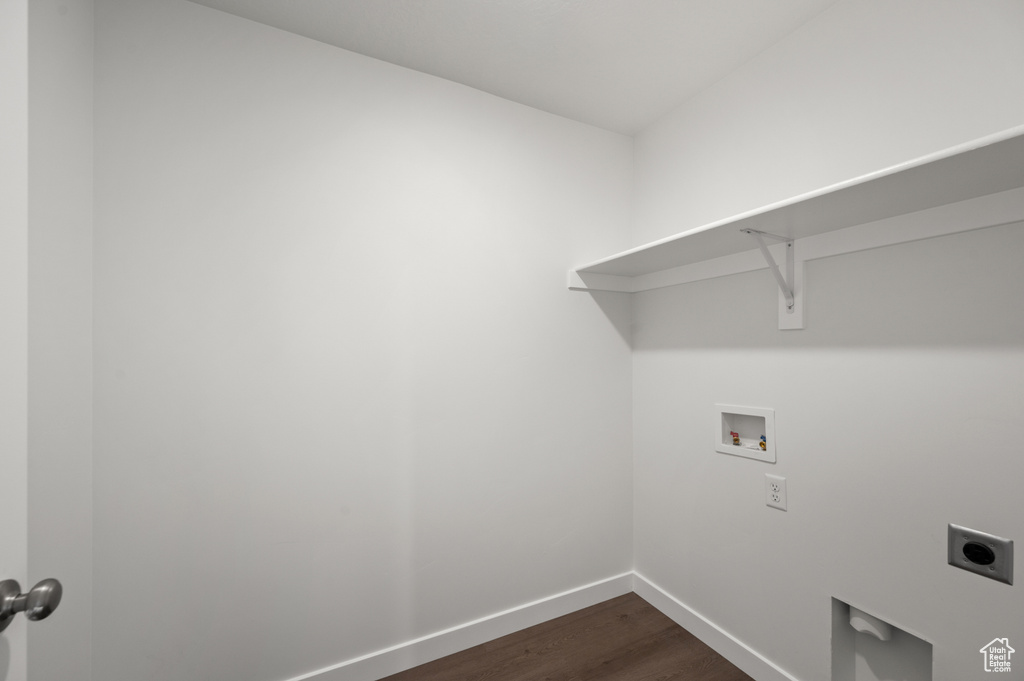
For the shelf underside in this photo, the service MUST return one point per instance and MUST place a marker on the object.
(985, 167)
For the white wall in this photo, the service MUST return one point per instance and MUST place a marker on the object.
(60, 332)
(896, 407)
(342, 397)
(862, 86)
(895, 410)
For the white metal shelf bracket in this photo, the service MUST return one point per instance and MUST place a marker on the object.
(791, 312)
(785, 284)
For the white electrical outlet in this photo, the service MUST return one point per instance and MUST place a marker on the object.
(775, 491)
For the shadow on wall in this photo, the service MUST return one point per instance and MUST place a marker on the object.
(612, 304)
(958, 290)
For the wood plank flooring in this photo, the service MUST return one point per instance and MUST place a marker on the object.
(624, 639)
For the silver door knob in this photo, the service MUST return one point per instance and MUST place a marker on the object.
(39, 603)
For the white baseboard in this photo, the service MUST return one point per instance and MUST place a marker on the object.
(407, 655)
(746, 658)
(433, 646)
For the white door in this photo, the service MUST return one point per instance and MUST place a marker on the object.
(13, 317)
(45, 322)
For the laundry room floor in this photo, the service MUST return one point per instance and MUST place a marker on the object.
(622, 639)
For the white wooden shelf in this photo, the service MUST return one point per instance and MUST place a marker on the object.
(986, 166)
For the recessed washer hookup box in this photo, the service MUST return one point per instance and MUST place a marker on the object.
(745, 431)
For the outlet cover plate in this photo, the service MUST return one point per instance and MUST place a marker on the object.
(992, 559)
(775, 491)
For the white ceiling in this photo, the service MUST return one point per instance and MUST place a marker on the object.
(616, 64)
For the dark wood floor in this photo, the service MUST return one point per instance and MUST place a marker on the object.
(624, 639)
